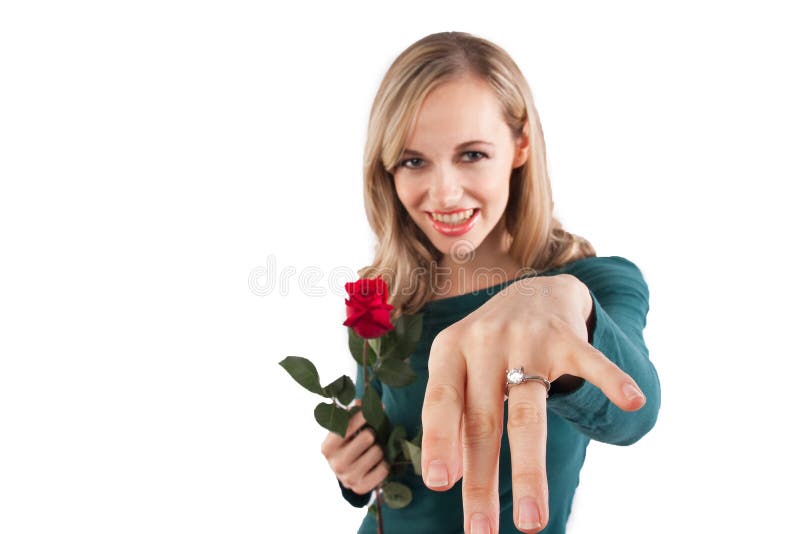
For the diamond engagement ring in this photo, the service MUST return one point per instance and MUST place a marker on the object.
(517, 376)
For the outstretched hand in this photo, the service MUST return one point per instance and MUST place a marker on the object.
(538, 323)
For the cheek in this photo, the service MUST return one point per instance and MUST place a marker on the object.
(408, 193)
(502, 181)
(495, 190)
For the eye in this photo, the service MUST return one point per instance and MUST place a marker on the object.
(476, 152)
(472, 158)
(403, 163)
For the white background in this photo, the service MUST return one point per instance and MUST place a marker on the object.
(154, 155)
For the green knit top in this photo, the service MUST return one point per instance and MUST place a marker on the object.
(620, 298)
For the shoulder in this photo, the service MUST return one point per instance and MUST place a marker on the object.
(600, 265)
(608, 273)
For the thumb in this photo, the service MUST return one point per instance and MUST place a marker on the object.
(358, 402)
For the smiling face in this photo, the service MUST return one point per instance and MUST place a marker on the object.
(458, 160)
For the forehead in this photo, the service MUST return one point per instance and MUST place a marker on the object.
(455, 112)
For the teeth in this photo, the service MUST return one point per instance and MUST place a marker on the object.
(454, 218)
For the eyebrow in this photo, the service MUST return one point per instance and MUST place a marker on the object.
(410, 152)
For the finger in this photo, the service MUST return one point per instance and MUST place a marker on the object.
(354, 426)
(369, 459)
(356, 422)
(483, 430)
(527, 438)
(442, 410)
(353, 449)
(595, 367)
(376, 476)
(334, 441)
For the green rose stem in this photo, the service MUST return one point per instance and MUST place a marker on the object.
(378, 489)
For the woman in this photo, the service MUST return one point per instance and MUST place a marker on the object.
(457, 192)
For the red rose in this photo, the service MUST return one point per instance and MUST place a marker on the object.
(368, 314)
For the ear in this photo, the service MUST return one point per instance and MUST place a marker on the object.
(522, 146)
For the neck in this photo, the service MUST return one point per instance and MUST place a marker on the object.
(486, 266)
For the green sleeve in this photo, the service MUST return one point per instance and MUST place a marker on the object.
(356, 499)
(620, 297)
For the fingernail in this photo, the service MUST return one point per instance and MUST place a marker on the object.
(631, 392)
(437, 474)
(479, 524)
(529, 514)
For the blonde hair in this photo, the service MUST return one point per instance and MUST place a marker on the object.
(404, 256)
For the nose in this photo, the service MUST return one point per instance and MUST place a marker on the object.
(445, 189)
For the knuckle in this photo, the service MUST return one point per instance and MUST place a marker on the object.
(356, 439)
(370, 457)
(444, 337)
(443, 394)
(566, 279)
(353, 447)
(367, 436)
(351, 428)
(381, 474)
(480, 426)
(481, 334)
(435, 437)
(517, 329)
(365, 485)
(444, 341)
(525, 414)
(355, 422)
(529, 476)
(374, 471)
(476, 490)
(336, 465)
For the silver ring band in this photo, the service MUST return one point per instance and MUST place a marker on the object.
(517, 376)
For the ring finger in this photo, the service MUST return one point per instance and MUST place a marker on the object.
(527, 438)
